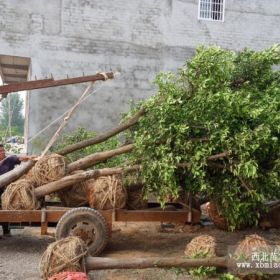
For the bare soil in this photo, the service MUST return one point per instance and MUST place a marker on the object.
(20, 254)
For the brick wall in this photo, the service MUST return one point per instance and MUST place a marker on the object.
(136, 38)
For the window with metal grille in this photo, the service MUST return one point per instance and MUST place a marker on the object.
(211, 10)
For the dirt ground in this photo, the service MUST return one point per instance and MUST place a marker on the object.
(20, 254)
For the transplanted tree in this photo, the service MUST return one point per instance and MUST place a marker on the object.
(11, 108)
(219, 118)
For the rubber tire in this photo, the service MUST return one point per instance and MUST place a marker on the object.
(71, 217)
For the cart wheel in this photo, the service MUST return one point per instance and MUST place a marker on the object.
(86, 223)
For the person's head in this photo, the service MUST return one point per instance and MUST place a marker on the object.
(2, 152)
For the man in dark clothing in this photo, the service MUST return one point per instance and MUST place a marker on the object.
(7, 164)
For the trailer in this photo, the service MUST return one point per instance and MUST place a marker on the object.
(95, 227)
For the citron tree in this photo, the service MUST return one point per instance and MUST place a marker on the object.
(213, 127)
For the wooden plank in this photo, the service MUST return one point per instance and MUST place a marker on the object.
(180, 216)
(98, 263)
(46, 83)
(18, 216)
(121, 215)
(15, 66)
(23, 76)
(52, 216)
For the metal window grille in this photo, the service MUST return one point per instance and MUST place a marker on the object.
(211, 10)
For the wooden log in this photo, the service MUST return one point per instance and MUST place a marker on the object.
(103, 136)
(16, 173)
(38, 84)
(97, 263)
(79, 177)
(97, 158)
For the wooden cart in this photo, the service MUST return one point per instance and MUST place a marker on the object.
(94, 227)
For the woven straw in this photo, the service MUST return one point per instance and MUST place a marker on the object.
(106, 193)
(29, 176)
(68, 275)
(203, 246)
(64, 255)
(19, 195)
(251, 243)
(48, 169)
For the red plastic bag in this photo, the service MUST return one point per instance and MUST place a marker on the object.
(69, 275)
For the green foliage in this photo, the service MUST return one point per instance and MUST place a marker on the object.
(83, 134)
(11, 106)
(220, 101)
(202, 272)
(228, 276)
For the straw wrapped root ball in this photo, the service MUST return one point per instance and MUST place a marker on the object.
(74, 196)
(136, 200)
(251, 243)
(70, 276)
(106, 193)
(19, 195)
(48, 169)
(201, 246)
(63, 255)
(218, 219)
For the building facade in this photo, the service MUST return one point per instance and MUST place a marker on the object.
(135, 38)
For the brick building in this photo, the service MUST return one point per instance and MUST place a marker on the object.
(136, 38)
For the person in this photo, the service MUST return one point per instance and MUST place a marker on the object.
(8, 163)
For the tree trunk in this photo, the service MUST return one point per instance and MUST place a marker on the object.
(103, 136)
(94, 263)
(97, 158)
(16, 173)
(76, 178)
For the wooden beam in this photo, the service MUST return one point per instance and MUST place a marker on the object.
(103, 136)
(69, 180)
(95, 158)
(179, 216)
(15, 66)
(11, 176)
(24, 76)
(46, 83)
(98, 263)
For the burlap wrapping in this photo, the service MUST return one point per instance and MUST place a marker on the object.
(74, 196)
(48, 169)
(201, 246)
(106, 193)
(67, 254)
(19, 195)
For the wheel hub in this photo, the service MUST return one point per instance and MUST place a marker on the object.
(85, 231)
